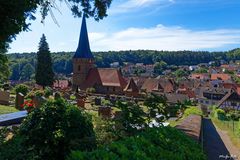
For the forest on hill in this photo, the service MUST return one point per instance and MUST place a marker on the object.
(22, 65)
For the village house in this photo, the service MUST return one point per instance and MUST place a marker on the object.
(193, 68)
(212, 95)
(229, 67)
(131, 90)
(61, 84)
(201, 76)
(214, 70)
(226, 98)
(230, 101)
(158, 85)
(220, 76)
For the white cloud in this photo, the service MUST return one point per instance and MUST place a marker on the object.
(94, 36)
(133, 5)
(165, 38)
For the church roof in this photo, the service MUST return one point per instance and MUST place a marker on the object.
(106, 77)
(83, 50)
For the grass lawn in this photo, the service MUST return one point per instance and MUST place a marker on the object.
(227, 126)
(7, 109)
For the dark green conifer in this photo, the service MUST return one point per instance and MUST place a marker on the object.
(44, 71)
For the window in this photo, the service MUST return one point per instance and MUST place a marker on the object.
(113, 89)
(79, 68)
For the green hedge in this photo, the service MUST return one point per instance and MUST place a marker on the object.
(21, 88)
(164, 143)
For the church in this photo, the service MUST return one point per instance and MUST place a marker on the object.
(87, 75)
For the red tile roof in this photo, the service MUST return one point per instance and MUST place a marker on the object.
(188, 92)
(229, 85)
(199, 76)
(238, 90)
(158, 87)
(105, 77)
(220, 76)
(151, 84)
(131, 86)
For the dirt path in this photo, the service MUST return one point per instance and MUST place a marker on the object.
(216, 143)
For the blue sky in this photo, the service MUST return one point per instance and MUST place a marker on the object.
(212, 25)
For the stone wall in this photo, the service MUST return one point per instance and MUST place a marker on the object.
(192, 126)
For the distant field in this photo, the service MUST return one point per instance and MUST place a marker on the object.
(7, 109)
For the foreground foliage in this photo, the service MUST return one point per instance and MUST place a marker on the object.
(51, 132)
(153, 144)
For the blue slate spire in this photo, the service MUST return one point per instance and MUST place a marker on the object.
(83, 50)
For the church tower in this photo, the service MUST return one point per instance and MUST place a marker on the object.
(83, 59)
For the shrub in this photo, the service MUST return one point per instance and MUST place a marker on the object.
(220, 114)
(48, 92)
(72, 97)
(159, 143)
(235, 115)
(50, 132)
(192, 110)
(21, 88)
(188, 103)
(103, 130)
(156, 105)
(131, 119)
(14, 150)
(90, 90)
(30, 94)
(39, 93)
(3, 135)
(6, 86)
(106, 102)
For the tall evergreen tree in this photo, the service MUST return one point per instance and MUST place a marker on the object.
(44, 72)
